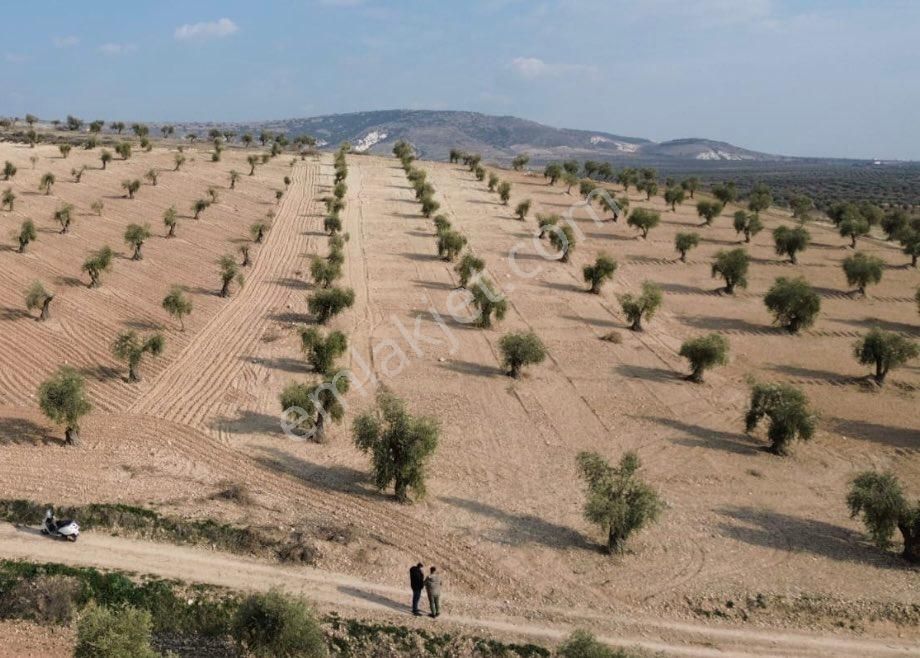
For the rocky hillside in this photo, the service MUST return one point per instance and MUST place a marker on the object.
(498, 138)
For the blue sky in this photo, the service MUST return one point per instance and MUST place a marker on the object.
(798, 77)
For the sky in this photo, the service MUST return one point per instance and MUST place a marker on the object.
(835, 78)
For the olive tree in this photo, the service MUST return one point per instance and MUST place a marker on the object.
(853, 226)
(642, 306)
(552, 171)
(62, 398)
(708, 210)
(522, 209)
(257, 231)
(790, 241)
(450, 244)
(322, 351)
(747, 223)
(644, 220)
(179, 159)
(153, 176)
(563, 240)
(46, 183)
(9, 170)
(793, 302)
(493, 181)
(65, 150)
(469, 268)
(105, 156)
(399, 444)
(504, 192)
(690, 185)
(861, 270)
(604, 268)
(732, 266)
(8, 199)
(170, 220)
(519, 350)
(131, 348)
(725, 192)
(199, 207)
(489, 302)
(801, 207)
(64, 216)
(618, 500)
(880, 500)
(135, 236)
(27, 234)
(178, 305)
(760, 199)
(98, 262)
(674, 196)
(229, 272)
(520, 162)
(787, 413)
(324, 272)
(38, 297)
(326, 303)
(684, 242)
(302, 402)
(704, 352)
(885, 350)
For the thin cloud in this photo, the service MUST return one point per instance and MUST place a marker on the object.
(65, 42)
(15, 58)
(117, 48)
(220, 28)
(532, 68)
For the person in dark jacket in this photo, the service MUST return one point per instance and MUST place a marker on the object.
(433, 585)
(417, 581)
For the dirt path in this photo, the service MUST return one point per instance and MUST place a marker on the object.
(336, 591)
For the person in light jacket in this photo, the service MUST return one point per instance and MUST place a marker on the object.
(433, 587)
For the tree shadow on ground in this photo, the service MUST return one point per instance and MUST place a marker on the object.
(284, 364)
(20, 431)
(470, 368)
(897, 437)
(519, 529)
(735, 325)
(704, 437)
(645, 372)
(289, 317)
(143, 325)
(249, 422)
(886, 325)
(794, 534)
(683, 289)
(291, 282)
(336, 477)
(103, 373)
(377, 599)
(10, 313)
(826, 376)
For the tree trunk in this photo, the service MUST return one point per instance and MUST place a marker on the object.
(225, 289)
(911, 543)
(683, 257)
(132, 373)
(614, 542)
(637, 324)
(137, 253)
(747, 237)
(319, 435)
(913, 260)
(853, 242)
(401, 490)
(515, 371)
(880, 373)
(172, 231)
(792, 258)
(22, 246)
(595, 286)
(71, 437)
(46, 310)
(696, 375)
(730, 287)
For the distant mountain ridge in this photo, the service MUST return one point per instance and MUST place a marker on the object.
(434, 132)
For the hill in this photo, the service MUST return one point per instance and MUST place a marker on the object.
(498, 138)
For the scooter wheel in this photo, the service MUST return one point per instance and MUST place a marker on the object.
(71, 538)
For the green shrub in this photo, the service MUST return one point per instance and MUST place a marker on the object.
(114, 633)
(273, 625)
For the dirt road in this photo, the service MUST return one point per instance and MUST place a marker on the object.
(338, 591)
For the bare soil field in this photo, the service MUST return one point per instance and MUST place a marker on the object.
(503, 516)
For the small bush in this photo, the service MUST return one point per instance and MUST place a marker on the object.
(45, 599)
(114, 633)
(271, 625)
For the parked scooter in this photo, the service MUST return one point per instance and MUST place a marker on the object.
(64, 529)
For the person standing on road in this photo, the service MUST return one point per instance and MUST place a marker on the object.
(433, 587)
(417, 581)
